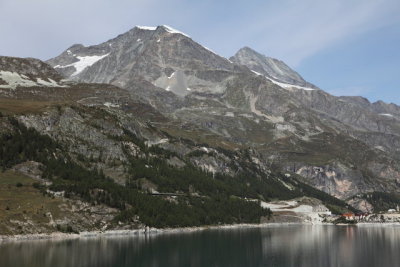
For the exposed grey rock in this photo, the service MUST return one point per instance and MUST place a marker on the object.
(30, 67)
(30, 168)
(169, 60)
(361, 204)
(270, 67)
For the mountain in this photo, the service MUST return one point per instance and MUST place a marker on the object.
(274, 69)
(158, 130)
(26, 73)
(252, 101)
(91, 156)
(161, 55)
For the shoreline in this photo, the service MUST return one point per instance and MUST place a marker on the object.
(133, 232)
(59, 236)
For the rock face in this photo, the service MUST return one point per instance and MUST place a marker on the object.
(30, 67)
(29, 72)
(272, 68)
(250, 101)
(161, 55)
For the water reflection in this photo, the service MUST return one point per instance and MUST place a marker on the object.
(273, 246)
(332, 246)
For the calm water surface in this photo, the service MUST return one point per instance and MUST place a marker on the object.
(273, 246)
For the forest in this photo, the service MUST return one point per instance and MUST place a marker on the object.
(218, 198)
(218, 206)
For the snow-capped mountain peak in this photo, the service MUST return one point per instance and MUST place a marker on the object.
(152, 53)
(146, 28)
(165, 27)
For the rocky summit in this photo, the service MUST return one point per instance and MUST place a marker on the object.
(274, 69)
(152, 128)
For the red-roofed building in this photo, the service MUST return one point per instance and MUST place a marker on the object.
(349, 216)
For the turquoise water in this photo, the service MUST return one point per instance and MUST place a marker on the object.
(273, 246)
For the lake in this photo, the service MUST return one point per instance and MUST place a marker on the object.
(269, 246)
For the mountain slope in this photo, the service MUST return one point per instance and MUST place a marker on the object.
(272, 68)
(165, 57)
(343, 146)
(97, 151)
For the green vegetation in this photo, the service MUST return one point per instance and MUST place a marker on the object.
(201, 198)
(172, 179)
(382, 201)
(18, 202)
(66, 229)
(22, 106)
(338, 210)
(343, 220)
(336, 206)
(91, 185)
(24, 144)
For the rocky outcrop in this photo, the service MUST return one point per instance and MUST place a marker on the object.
(30, 67)
(272, 68)
(336, 179)
(163, 56)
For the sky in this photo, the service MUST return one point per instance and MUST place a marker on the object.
(345, 47)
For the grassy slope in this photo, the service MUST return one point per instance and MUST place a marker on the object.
(18, 106)
(20, 203)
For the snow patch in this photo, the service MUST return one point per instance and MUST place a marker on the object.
(229, 114)
(168, 88)
(284, 85)
(83, 63)
(45, 83)
(156, 142)
(287, 85)
(172, 30)
(110, 105)
(257, 73)
(166, 27)
(380, 148)
(14, 79)
(146, 28)
(386, 114)
(172, 75)
(138, 40)
(188, 89)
